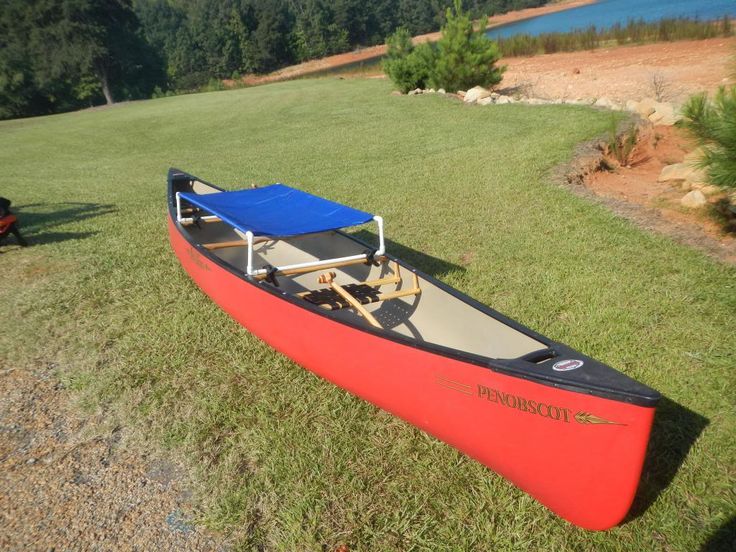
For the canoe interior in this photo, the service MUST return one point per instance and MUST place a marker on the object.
(434, 316)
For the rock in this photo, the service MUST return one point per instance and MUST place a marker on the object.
(430, 91)
(495, 95)
(504, 100)
(646, 107)
(675, 173)
(694, 200)
(655, 118)
(694, 156)
(604, 102)
(476, 93)
(536, 101)
(411, 93)
(696, 174)
(710, 190)
(666, 113)
(686, 186)
(396, 93)
(461, 93)
(485, 101)
(442, 91)
(632, 106)
(418, 91)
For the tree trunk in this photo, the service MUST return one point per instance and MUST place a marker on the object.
(106, 87)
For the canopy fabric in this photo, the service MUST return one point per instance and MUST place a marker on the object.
(278, 210)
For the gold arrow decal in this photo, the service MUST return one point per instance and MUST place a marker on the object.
(459, 386)
(588, 418)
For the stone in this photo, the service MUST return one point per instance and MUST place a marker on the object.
(646, 107)
(632, 106)
(710, 190)
(536, 101)
(605, 102)
(396, 93)
(675, 173)
(461, 93)
(504, 100)
(430, 91)
(694, 156)
(495, 95)
(667, 114)
(485, 101)
(442, 91)
(655, 118)
(686, 186)
(476, 93)
(411, 93)
(694, 200)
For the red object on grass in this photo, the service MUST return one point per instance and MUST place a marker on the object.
(578, 453)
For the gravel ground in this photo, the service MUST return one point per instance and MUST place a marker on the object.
(66, 486)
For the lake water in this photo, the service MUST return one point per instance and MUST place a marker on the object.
(606, 13)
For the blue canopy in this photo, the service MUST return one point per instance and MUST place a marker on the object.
(277, 210)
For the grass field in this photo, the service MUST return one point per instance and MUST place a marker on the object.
(286, 460)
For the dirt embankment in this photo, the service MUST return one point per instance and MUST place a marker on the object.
(333, 62)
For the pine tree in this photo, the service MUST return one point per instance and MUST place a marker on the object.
(465, 57)
(714, 126)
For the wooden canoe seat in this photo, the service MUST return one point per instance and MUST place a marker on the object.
(354, 296)
(329, 298)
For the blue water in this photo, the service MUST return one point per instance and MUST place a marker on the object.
(605, 13)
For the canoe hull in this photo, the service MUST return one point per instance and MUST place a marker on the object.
(579, 455)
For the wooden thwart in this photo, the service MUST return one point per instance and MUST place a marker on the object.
(307, 269)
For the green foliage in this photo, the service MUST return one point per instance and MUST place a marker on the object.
(465, 57)
(407, 66)
(633, 32)
(63, 54)
(713, 123)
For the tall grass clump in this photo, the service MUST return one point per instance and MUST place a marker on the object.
(633, 32)
(713, 124)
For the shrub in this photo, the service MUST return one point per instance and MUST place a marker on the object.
(465, 57)
(713, 123)
(407, 66)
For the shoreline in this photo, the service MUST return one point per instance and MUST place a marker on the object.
(364, 54)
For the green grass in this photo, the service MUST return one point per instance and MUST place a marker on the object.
(286, 460)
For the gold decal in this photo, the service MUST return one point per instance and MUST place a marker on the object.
(459, 386)
(588, 418)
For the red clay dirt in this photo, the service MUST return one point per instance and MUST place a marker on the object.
(636, 185)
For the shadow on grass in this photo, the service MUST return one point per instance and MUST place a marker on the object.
(723, 540)
(674, 432)
(37, 218)
(426, 263)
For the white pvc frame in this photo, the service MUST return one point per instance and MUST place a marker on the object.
(311, 264)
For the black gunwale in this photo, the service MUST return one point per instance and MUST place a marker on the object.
(641, 396)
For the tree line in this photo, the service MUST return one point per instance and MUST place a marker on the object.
(59, 55)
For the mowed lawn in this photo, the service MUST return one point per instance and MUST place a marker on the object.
(285, 460)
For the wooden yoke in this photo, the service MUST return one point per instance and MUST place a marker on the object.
(329, 278)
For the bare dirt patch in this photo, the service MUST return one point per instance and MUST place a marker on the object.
(677, 69)
(67, 485)
(634, 193)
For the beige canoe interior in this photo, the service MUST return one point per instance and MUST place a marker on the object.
(432, 315)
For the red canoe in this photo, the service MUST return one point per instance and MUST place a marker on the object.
(568, 430)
